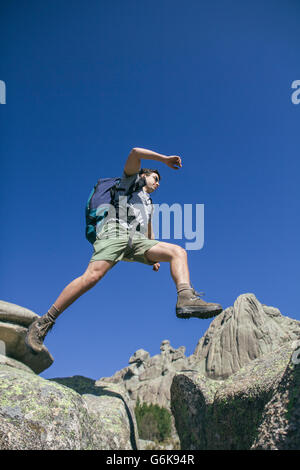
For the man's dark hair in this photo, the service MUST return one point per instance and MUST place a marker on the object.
(148, 171)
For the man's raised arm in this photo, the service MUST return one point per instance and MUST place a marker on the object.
(133, 163)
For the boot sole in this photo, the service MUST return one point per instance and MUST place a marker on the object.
(197, 312)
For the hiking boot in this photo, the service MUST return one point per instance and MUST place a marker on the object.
(37, 333)
(190, 305)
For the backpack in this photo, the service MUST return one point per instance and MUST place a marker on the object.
(104, 194)
(97, 205)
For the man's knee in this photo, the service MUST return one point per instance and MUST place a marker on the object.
(93, 274)
(92, 278)
(178, 251)
(165, 252)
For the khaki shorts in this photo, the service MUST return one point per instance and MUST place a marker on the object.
(118, 249)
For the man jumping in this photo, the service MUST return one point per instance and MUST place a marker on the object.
(130, 239)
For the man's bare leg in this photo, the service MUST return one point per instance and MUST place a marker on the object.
(94, 272)
(188, 302)
(176, 256)
(40, 327)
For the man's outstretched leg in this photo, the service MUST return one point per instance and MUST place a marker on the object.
(188, 302)
(40, 327)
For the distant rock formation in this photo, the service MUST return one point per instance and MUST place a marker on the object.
(149, 378)
(239, 335)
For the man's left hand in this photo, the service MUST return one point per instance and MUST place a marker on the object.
(156, 267)
(173, 161)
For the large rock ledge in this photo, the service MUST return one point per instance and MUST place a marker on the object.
(38, 414)
(14, 323)
(256, 408)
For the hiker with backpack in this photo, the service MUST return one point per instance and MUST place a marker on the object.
(119, 225)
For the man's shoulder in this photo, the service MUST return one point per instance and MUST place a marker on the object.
(128, 180)
(133, 177)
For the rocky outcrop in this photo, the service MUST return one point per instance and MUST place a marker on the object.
(258, 407)
(38, 414)
(244, 389)
(4, 360)
(14, 323)
(112, 396)
(239, 335)
(112, 419)
(280, 424)
(41, 414)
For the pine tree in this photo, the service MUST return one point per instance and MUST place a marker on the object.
(153, 421)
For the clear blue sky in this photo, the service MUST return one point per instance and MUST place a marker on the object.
(87, 81)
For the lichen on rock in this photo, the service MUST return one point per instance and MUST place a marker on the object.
(38, 414)
(238, 413)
